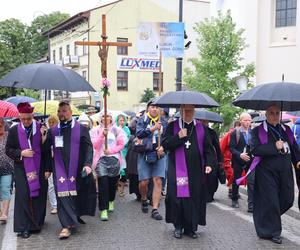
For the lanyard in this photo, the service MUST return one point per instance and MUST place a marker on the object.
(276, 132)
(63, 126)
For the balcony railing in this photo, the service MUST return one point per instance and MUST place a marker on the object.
(71, 61)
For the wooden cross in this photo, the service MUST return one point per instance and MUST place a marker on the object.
(103, 53)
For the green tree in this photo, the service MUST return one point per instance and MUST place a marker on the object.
(22, 44)
(14, 49)
(40, 25)
(148, 95)
(220, 47)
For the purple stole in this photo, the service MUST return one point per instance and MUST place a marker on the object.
(263, 138)
(66, 182)
(31, 164)
(182, 179)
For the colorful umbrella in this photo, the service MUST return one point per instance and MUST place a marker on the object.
(52, 107)
(8, 109)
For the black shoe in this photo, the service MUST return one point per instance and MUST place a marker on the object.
(191, 234)
(235, 204)
(25, 235)
(155, 215)
(276, 239)
(178, 233)
(144, 206)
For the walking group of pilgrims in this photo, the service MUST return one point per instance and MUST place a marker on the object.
(81, 164)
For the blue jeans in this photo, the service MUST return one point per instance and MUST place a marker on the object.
(5, 187)
(147, 170)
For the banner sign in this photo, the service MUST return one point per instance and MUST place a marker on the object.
(165, 37)
(137, 64)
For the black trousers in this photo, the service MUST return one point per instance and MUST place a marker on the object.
(237, 171)
(107, 190)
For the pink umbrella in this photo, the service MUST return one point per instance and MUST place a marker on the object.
(286, 116)
(8, 109)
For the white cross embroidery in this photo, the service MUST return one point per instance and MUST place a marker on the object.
(62, 179)
(187, 144)
(72, 179)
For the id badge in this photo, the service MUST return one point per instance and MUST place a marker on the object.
(59, 141)
(286, 148)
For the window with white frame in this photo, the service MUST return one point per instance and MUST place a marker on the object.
(286, 13)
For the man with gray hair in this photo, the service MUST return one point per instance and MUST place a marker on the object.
(241, 159)
(275, 150)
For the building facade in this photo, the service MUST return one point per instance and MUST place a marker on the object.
(122, 20)
(272, 31)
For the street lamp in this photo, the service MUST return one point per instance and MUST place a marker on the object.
(39, 30)
(241, 82)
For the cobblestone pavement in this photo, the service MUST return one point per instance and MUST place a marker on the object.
(128, 228)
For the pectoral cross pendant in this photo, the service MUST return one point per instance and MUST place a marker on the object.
(187, 144)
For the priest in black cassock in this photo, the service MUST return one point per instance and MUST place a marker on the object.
(72, 159)
(275, 150)
(218, 170)
(190, 160)
(24, 146)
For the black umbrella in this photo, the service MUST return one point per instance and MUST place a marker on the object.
(45, 76)
(283, 94)
(176, 98)
(202, 114)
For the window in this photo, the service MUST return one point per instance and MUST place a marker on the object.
(156, 81)
(75, 50)
(85, 48)
(84, 74)
(122, 50)
(286, 12)
(53, 56)
(122, 80)
(68, 50)
(60, 53)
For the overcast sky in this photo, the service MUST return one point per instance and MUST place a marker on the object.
(27, 10)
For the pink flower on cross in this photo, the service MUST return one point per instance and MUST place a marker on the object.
(105, 82)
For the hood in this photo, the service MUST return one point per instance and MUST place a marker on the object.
(117, 118)
(110, 114)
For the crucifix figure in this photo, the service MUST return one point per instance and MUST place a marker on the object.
(103, 54)
(187, 144)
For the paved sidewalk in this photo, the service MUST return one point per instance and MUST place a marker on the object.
(128, 228)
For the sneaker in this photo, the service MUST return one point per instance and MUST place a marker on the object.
(144, 206)
(111, 206)
(104, 215)
(155, 215)
(235, 204)
(53, 211)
